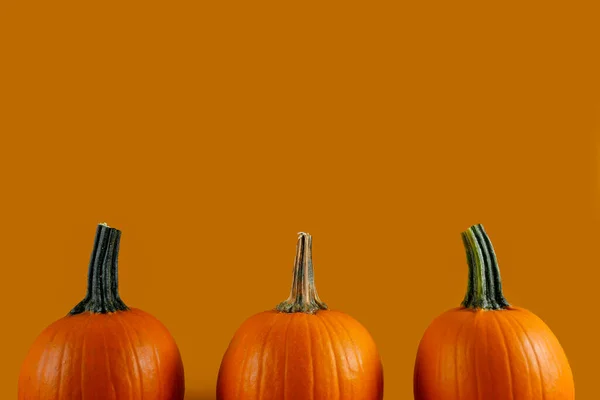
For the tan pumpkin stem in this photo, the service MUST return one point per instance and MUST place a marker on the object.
(303, 296)
(484, 290)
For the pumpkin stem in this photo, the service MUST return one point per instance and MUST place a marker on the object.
(103, 282)
(303, 296)
(484, 290)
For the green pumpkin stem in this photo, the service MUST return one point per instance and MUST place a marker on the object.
(303, 295)
(484, 289)
(103, 282)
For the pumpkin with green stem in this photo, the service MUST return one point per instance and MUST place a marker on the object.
(488, 349)
(103, 349)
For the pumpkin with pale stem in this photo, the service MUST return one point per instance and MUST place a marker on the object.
(301, 350)
(103, 349)
(487, 349)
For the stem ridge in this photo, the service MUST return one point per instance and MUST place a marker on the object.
(303, 295)
(484, 288)
(102, 294)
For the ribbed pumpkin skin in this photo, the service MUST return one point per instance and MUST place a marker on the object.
(127, 355)
(506, 354)
(323, 356)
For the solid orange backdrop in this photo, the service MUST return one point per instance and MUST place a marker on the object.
(212, 134)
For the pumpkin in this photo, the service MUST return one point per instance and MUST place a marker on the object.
(103, 349)
(488, 349)
(301, 349)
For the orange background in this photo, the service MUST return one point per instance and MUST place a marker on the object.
(211, 134)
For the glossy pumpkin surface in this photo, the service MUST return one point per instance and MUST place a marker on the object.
(103, 349)
(327, 355)
(302, 350)
(509, 354)
(122, 355)
(487, 349)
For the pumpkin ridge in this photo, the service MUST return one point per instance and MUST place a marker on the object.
(82, 366)
(458, 335)
(357, 356)
(157, 363)
(312, 361)
(495, 317)
(322, 332)
(336, 339)
(60, 365)
(440, 354)
(285, 371)
(524, 353)
(549, 344)
(438, 361)
(490, 372)
(537, 359)
(282, 328)
(242, 366)
(346, 352)
(132, 351)
(333, 354)
(43, 361)
(62, 354)
(315, 338)
(476, 351)
(108, 364)
(262, 356)
(133, 330)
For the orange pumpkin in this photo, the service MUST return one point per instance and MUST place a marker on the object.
(102, 349)
(301, 350)
(487, 349)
